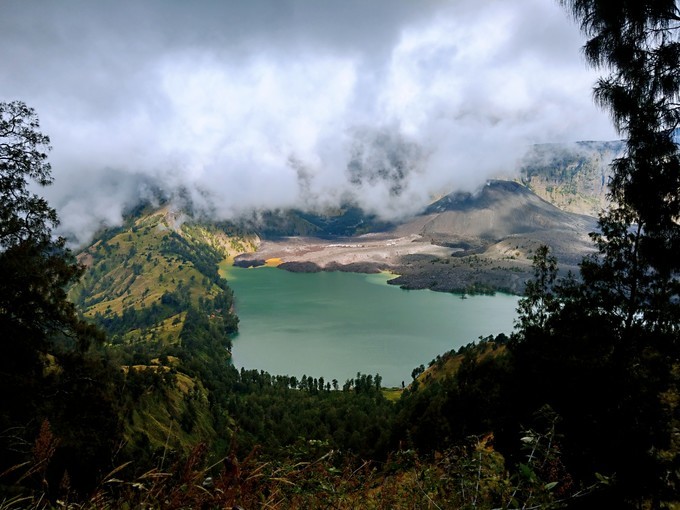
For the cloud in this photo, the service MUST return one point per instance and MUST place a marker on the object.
(244, 106)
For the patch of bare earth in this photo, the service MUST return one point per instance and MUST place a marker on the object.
(378, 251)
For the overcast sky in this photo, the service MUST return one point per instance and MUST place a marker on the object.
(253, 104)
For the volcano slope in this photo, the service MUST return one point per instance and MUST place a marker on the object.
(464, 242)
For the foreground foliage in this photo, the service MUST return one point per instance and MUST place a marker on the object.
(46, 369)
(472, 475)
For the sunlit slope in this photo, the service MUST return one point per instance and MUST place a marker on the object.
(448, 365)
(143, 280)
(153, 286)
(167, 408)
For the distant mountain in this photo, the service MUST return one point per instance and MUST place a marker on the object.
(483, 240)
(348, 220)
(573, 177)
(498, 210)
(470, 242)
(501, 210)
(493, 235)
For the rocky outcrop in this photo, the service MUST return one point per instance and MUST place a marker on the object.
(573, 177)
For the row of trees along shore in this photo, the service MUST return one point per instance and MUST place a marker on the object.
(590, 378)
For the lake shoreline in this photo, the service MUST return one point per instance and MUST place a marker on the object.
(454, 282)
(415, 263)
(335, 324)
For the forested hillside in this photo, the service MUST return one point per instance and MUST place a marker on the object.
(155, 277)
(153, 287)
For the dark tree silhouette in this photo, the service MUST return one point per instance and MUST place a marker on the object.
(607, 356)
(43, 342)
(23, 158)
(636, 42)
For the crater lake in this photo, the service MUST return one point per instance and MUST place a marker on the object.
(335, 324)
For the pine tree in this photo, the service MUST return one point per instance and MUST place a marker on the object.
(607, 356)
(24, 215)
(45, 373)
(637, 43)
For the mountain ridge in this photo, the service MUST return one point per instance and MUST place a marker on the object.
(465, 242)
(572, 176)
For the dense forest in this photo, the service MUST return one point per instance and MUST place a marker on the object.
(117, 388)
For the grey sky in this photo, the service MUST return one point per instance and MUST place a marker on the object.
(274, 103)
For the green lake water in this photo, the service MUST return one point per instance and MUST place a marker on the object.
(336, 324)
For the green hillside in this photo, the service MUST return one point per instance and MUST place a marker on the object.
(447, 365)
(153, 286)
(143, 279)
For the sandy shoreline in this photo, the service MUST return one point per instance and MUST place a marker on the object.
(371, 250)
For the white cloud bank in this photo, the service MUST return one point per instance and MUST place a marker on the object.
(281, 103)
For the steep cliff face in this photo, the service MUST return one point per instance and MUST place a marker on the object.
(572, 177)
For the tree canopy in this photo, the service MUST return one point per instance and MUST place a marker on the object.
(44, 371)
(23, 159)
(605, 354)
(636, 44)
